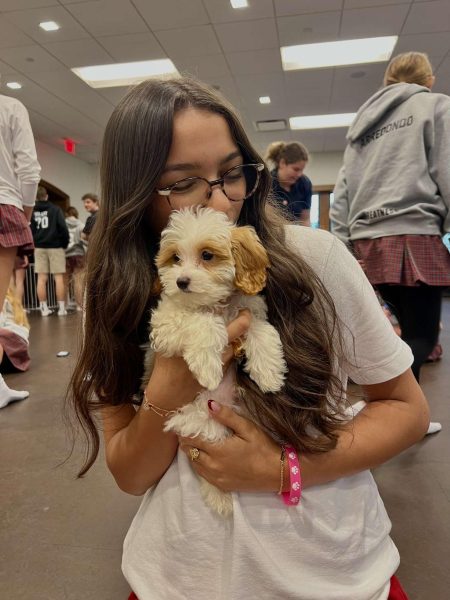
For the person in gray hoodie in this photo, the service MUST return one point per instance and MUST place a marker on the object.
(75, 257)
(392, 197)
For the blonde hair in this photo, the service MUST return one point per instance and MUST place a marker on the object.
(19, 314)
(291, 152)
(409, 67)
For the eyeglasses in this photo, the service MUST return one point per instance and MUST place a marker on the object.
(237, 184)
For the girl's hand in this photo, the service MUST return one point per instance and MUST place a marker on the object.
(248, 461)
(174, 383)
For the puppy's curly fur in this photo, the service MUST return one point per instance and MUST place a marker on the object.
(209, 269)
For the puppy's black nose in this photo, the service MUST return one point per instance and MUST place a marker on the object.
(183, 283)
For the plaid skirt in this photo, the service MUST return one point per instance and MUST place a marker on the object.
(408, 260)
(14, 230)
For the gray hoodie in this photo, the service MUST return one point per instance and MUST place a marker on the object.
(76, 245)
(395, 179)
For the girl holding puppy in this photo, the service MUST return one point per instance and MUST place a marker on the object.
(329, 538)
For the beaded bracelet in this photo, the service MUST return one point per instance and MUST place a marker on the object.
(292, 498)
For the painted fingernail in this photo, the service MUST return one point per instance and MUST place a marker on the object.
(213, 406)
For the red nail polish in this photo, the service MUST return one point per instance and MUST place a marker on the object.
(213, 406)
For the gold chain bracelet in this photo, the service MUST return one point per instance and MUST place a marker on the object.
(161, 412)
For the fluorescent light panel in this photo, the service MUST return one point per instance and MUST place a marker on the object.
(14, 85)
(334, 54)
(264, 99)
(122, 74)
(322, 121)
(239, 3)
(49, 26)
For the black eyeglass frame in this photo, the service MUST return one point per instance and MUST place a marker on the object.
(221, 181)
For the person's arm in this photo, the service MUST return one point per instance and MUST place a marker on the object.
(26, 164)
(395, 418)
(138, 452)
(340, 208)
(63, 229)
(307, 201)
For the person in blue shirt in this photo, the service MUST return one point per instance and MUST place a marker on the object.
(291, 188)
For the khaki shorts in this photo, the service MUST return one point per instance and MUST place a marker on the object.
(49, 260)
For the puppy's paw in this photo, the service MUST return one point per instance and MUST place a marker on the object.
(220, 502)
(206, 367)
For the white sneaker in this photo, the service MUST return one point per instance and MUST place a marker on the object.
(45, 312)
(62, 312)
(433, 427)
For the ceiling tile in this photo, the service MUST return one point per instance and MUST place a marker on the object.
(335, 139)
(68, 87)
(294, 7)
(349, 92)
(247, 35)
(436, 45)
(213, 65)
(308, 29)
(191, 41)
(31, 59)
(7, 5)
(11, 37)
(257, 61)
(113, 95)
(28, 21)
(251, 87)
(137, 46)
(171, 14)
(371, 22)
(221, 11)
(366, 3)
(105, 18)
(79, 53)
(226, 87)
(427, 17)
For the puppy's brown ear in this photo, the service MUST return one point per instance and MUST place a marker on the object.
(251, 260)
(156, 288)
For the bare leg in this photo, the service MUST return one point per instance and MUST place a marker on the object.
(60, 288)
(42, 287)
(78, 286)
(7, 258)
(19, 276)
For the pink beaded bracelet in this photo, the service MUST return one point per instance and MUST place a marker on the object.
(292, 498)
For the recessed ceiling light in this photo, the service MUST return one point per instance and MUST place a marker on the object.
(122, 74)
(322, 121)
(239, 3)
(264, 99)
(49, 26)
(14, 85)
(333, 54)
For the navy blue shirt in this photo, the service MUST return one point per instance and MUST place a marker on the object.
(297, 199)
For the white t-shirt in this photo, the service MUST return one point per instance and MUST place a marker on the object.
(19, 167)
(334, 546)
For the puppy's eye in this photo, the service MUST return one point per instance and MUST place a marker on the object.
(176, 258)
(206, 255)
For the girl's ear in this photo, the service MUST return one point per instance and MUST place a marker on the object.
(251, 260)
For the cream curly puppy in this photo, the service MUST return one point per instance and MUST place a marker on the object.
(209, 269)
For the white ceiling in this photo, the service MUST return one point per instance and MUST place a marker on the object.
(236, 50)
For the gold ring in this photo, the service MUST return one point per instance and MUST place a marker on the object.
(194, 453)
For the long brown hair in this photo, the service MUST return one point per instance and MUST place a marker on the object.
(121, 273)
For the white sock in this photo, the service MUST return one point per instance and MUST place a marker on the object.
(8, 395)
(43, 306)
(61, 305)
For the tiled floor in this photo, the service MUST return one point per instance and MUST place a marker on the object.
(60, 538)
